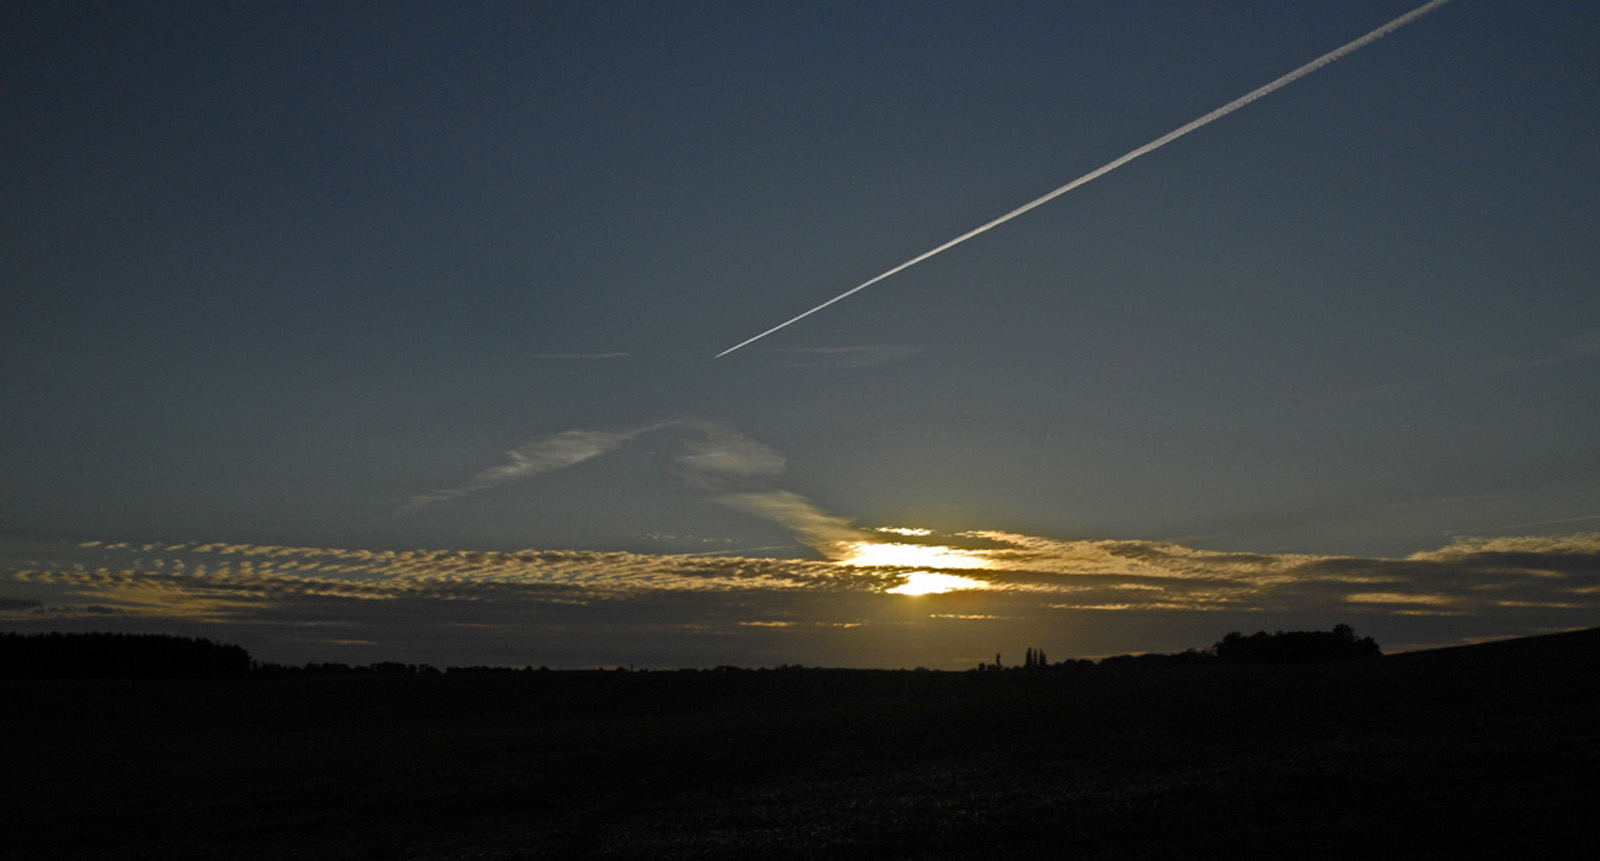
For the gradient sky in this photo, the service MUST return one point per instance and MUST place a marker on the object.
(300, 285)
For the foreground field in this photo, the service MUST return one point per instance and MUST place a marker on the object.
(1485, 751)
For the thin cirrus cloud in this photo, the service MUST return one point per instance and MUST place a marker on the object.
(828, 534)
(1576, 349)
(737, 469)
(712, 456)
(1582, 348)
(867, 356)
(721, 454)
(542, 455)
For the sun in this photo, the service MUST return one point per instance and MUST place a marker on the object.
(933, 583)
(899, 555)
(895, 554)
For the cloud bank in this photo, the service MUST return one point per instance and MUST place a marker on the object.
(868, 594)
(1543, 581)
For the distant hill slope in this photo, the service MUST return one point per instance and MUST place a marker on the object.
(1568, 648)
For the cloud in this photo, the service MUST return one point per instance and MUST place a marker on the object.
(846, 357)
(545, 595)
(712, 459)
(545, 454)
(1576, 349)
(829, 534)
(1470, 575)
(722, 454)
(1581, 545)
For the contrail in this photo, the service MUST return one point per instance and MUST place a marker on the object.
(1104, 169)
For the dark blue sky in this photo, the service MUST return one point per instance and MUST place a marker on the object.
(276, 272)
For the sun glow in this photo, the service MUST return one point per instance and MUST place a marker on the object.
(894, 554)
(898, 555)
(931, 583)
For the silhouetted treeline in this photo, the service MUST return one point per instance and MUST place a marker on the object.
(1295, 647)
(107, 656)
(1185, 658)
(1282, 647)
(386, 668)
(161, 656)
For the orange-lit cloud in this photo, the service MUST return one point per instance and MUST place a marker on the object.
(873, 599)
(227, 580)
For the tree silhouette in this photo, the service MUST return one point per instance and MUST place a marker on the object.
(108, 655)
(1295, 647)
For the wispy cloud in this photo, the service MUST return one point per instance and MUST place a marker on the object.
(830, 535)
(846, 357)
(722, 454)
(1583, 347)
(545, 454)
(1577, 349)
(739, 470)
(714, 458)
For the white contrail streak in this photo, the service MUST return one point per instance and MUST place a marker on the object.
(1104, 169)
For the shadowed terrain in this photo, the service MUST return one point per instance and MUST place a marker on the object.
(1485, 751)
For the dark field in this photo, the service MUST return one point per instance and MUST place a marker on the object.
(1485, 751)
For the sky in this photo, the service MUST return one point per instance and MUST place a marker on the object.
(388, 331)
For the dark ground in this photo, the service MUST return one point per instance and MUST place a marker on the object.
(1484, 751)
